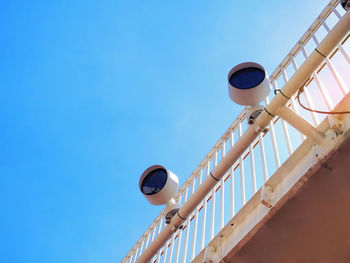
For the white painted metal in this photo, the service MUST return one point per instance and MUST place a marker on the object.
(263, 157)
(321, 88)
(148, 239)
(153, 234)
(223, 149)
(187, 224)
(286, 181)
(194, 237)
(158, 254)
(274, 143)
(232, 139)
(222, 188)
(160, 250)
(241, 168)
(310, 103)
(252, 168)
(285, 78)
(287, 137)
(339, 46)
(141, 248)
(204, 218)
(289, 89)
(336, 76)
(335, 11)
(292, 100)
(135, 255)
(213, 200)
(232, 191)
(285, 129)
(308, 98)
(232, 180)
(300, 124)
(160, 225)
(323, 91)
(172, 248)
(177, 254)
(195, 224)
(237, 151)
(165, 251)
(184, 252)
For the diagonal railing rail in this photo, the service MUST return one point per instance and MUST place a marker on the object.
(263, 157)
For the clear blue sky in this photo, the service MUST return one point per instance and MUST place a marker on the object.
(93, 92)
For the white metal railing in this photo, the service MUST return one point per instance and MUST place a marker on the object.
(265, 154)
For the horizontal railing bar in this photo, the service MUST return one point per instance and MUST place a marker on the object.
(304, 39)
(295, 82)
(135, 251)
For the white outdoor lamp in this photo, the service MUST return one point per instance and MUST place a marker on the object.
(248, 85)
(159, 185)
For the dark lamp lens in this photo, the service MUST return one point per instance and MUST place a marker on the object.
(154, 181)
(247, 78)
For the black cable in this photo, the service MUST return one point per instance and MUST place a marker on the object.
(214, 177)
(280, 91)
(317, 111)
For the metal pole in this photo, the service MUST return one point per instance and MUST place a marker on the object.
(296, 81)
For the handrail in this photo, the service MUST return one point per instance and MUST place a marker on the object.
(221, 144)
